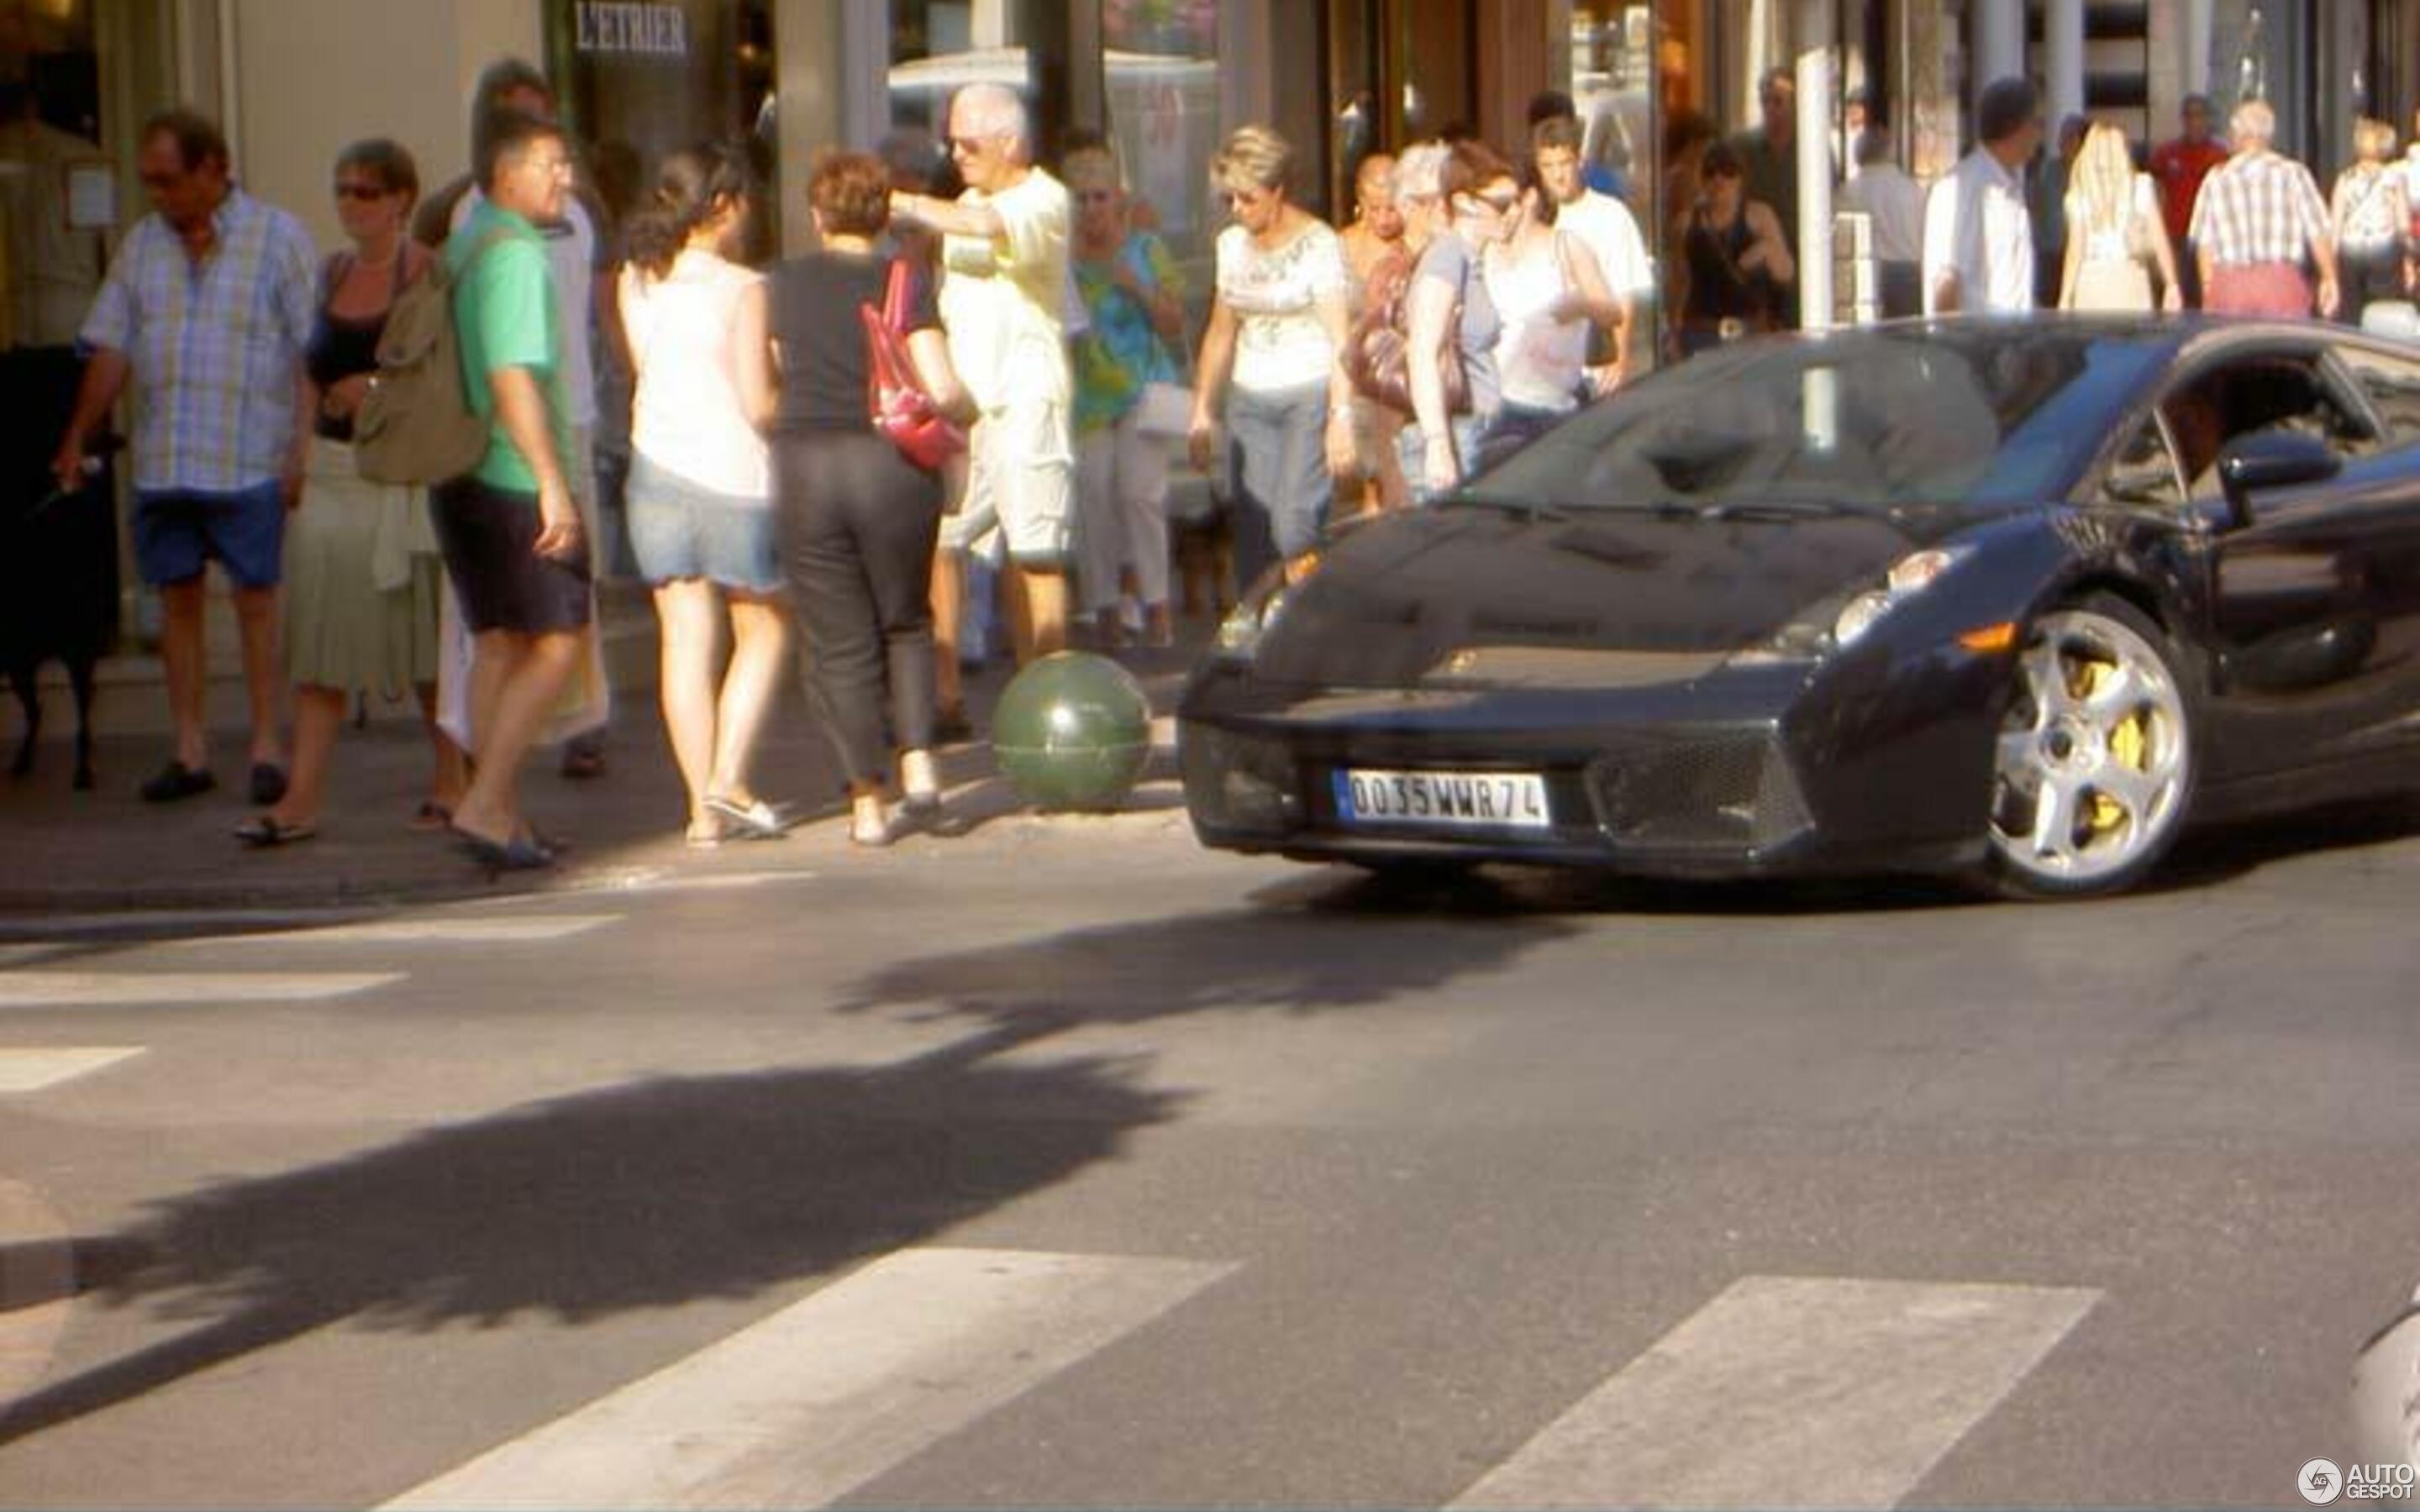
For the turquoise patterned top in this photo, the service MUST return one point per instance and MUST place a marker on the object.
(1122, 353)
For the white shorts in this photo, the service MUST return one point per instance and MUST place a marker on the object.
(1021, 487)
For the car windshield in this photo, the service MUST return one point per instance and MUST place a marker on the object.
(1973, 413)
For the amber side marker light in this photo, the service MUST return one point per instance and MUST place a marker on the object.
(1991, 637)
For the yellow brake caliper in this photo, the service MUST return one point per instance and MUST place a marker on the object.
(2127, 743)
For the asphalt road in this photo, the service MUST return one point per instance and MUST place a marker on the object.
(1065, 1164)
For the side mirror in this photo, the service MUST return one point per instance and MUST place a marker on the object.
(2269, 460)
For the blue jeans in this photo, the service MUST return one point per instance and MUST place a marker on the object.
(1411, 450)
(1279, 450)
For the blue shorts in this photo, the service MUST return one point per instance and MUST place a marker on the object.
(679, 529)
(176, 532)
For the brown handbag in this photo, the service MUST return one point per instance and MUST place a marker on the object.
(1377, 348)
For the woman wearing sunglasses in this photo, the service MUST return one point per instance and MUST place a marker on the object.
(1277, 341)
(1451, 318)
(361, 568)
(1734, 273)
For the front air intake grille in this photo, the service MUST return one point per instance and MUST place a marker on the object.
(1703, 792)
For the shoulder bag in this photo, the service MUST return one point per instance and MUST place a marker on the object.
(895, 396)
(1377, 348)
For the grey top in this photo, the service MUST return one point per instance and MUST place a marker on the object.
(1450, 259)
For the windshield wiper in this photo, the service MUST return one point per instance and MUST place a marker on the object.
(1775, 509)
(1530, 508)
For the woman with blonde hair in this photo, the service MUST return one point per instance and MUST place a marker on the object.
(2371, 212)
(1274, 356)
(2113, 227)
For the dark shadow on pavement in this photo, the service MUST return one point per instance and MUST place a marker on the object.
(1298, 961)
(643, 1195)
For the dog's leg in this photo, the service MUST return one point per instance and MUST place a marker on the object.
(22, 679)
(80, 676)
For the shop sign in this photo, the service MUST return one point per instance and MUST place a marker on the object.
(622, 26)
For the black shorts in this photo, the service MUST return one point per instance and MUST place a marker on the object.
(489, 537)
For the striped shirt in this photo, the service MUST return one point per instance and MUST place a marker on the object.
(2259, 208)
(214, 348)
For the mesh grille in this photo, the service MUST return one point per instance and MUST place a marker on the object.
(1726, 791)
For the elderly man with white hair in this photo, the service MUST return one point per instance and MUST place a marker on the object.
(2257, 215)
(1003, 303)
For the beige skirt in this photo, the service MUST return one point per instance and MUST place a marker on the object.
(363, 578)
(2111, 285)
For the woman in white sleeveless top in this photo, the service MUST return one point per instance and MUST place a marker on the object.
(1549, 289)
(2115, 236)
(701, 506)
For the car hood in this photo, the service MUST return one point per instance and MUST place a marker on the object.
(1481, 595)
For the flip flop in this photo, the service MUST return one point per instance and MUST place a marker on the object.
(431, 815)
(176, 780)
(752, 819)
(264, 831)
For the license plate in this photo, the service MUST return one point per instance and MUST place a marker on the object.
(1451, 800)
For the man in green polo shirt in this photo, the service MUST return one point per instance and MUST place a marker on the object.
(510, 528)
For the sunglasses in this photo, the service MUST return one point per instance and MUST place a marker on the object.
(361, 190)
(1500, 203)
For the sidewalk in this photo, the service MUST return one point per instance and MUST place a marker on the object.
(64, 852)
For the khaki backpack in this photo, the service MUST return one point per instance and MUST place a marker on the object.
(415, 426)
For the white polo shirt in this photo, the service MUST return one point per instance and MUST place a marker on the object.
(1976, 225)
(1606, 226)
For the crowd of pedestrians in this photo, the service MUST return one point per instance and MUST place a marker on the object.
(1465, 302)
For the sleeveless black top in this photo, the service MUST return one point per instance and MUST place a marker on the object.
(1719, 292)
(341, 348)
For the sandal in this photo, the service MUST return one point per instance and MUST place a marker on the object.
(752, 819)
(267, 830)
(431, 816)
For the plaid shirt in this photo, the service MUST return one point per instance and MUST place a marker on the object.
(214, 349)
(2259, 209)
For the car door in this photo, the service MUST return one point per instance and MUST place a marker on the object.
(2312, 614)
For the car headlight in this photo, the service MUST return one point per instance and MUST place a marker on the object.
(1835, 624)
(1240, 632)
(1909, 575)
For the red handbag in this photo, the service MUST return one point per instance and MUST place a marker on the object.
(895, 396)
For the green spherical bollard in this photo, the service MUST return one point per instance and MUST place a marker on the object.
(1073, 731)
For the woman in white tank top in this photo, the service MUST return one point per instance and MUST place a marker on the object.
(701, 507)
(1549, 291)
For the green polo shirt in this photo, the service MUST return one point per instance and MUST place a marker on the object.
(504, 316)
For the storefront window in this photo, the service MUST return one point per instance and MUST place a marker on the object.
(646, 79)
(938, 47)
(1160, 59)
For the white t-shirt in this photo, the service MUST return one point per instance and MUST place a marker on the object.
(687, 417)
(1606, 226)
(571, 256)
(1005, 299)
(1539, 361)
(1279, 344)
(1895, 202)
(1976, 224)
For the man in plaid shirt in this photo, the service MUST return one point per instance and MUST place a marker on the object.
(207, 309)
(2257, 216)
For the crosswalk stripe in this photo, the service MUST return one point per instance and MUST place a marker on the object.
(430, 928)
(35, 1070)
(1787, 1391)
(829, 1393)
(121, 989)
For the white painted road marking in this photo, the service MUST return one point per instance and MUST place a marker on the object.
(33, 1071)
(1784, 1393)
(120, 989)
(427, 929)
(826, 1394)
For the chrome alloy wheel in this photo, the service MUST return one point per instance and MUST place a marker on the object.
(2094, 760)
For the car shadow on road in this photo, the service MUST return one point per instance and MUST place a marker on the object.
(1287, 960)
(643, 1195)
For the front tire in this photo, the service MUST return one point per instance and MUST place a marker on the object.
(2094, 769)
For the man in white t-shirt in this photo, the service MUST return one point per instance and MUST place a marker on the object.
(1894, 203)
(1003, 303)
(1979, 240)
(1604, 225)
